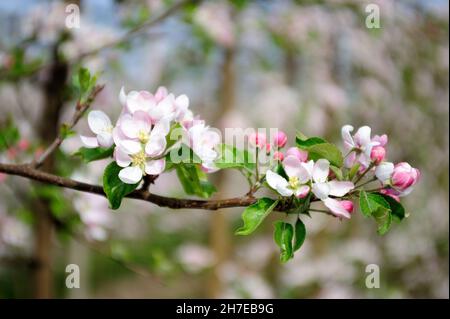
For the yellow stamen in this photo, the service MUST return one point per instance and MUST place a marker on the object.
(293, 182)
(143, 137)
(139, 159)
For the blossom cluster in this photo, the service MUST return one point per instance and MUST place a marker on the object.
(364, 153)
(141, 134)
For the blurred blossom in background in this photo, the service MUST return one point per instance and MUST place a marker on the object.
(294, 65)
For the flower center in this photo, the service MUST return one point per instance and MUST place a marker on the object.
(293, 182)
(143, 137)
(138, 159)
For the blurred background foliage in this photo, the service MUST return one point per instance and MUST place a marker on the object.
(295, 65)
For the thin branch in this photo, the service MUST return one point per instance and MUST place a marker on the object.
(30, 172)
(80, 110)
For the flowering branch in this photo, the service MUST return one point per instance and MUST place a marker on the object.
(157, 133)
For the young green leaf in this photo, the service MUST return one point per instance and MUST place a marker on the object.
(300, 234)
(327, 151)
(304, 142)
(113, 187)
(284, 232)
(319, 148)
(398, 211)
(383, 217)
(371, 202)
(94, 154)
(9, 133)
(194, 180)
(254, 214)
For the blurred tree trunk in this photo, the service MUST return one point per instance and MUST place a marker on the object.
(53, 87)
(220, 240)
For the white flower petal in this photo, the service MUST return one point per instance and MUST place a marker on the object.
(384, 171)
(89, 142)
(155, 146)
(321, 190)
(130, 175)
(339, 189)
(362, 136)
(128, 126)
(130, 147)
(98, 121)
(122, 159)
(336, 208)
(321, 170)
(105, 139)
(155, 167)
(278, 183)
(161, 128)
(347, 137)
(182, 102)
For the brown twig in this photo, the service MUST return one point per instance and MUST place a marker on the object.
(80, 110)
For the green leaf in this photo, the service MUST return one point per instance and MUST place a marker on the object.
(398, 211)
(113, 187)
(375, 205)
(353, 171)
(231, 157)
(194, 180)
(304, 142)
(94, 154)
(327, 151)
(371, 202)
(300, 234)
(84, 77)
(284, 232)
(254, 214)
(383, 218)
(319, 148)
(182, 155)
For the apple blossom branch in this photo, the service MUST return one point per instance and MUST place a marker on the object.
(81, 108)
(30, 172)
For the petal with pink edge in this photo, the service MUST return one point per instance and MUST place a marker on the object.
(336, 208)
(155, 167)
(339, 189)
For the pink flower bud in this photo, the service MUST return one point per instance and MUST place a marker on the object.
(347, 205)
(268, 148)
(377, 154)
(280, 139)
(257, 140)
(278, 156)
(300, 154)
(404, 176)
(390, 192)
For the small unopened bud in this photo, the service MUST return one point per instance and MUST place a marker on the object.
(348, 205)
(280, 139)
(278, 156)
(378, 154)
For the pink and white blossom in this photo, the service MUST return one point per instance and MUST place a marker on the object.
(359, 145)
(323, 189)
(298, 177)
